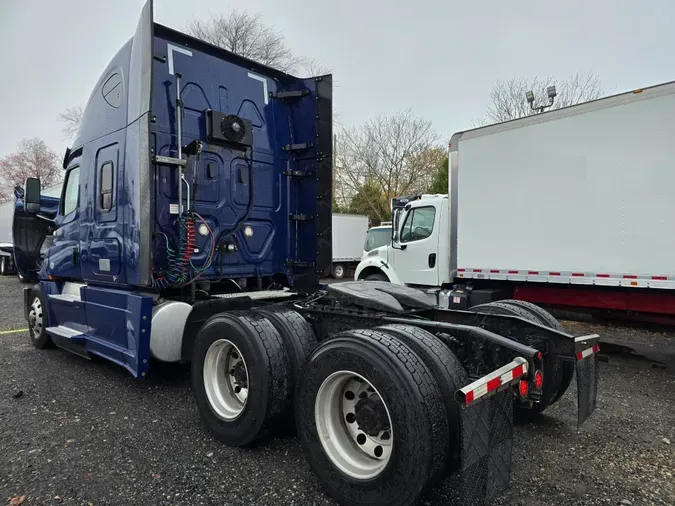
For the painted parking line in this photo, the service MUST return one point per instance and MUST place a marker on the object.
(3, 332)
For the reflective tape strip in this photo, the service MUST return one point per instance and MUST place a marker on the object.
(503, 376)
(588, 351)
(629, 279)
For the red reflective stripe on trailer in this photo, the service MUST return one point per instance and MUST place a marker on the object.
(554, 274)
(494, 384)
(660, 278)
(588, 351)
(461, 270)
(518, 372)
(533, 272)
(513, 272)
(578, 274)
(477, 270)
(602, 275)
(494, 271)
(504, 376)
(629, 276)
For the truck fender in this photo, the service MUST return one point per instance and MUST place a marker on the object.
(203, 310)
(374, 265)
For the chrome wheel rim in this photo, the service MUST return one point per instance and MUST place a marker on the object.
(226, 379)
(354, 425)
(35, 316)
(339, 271)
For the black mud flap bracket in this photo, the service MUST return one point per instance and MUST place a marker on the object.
(487, 447)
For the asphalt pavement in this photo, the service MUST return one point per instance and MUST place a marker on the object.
(74, 431)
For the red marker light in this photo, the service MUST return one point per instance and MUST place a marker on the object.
(538, 380)
(523, 388)
(540, 355)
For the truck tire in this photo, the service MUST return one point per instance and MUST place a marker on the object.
(240, 377)
(299, 342)
(338, 271)
(446, 369)
(550, 321)
(377, 277)
(38, 320)
(367, 381)
(552, 368)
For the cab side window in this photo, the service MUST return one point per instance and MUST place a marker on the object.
(419, 224)
(105, 199)
(71, 191)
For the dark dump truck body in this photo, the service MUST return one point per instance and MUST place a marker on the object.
(194, 225)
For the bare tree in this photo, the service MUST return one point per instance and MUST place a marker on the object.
(33, 158)
(71, 121)
(247, 35)
(507, 98)
(311, 67)
(395, 153)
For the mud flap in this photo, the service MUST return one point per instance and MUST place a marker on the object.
(587, 386)
(487, 444)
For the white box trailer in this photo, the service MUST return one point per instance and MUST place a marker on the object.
(349, 235)
(580, 195)
(570, 207)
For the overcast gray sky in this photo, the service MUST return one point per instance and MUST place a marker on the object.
(439, 57)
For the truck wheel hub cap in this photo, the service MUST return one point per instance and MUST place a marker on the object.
(371, 417)
(354, 425)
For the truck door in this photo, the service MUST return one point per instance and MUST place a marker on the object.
(64, 254)
(415, 251)
(100, 235)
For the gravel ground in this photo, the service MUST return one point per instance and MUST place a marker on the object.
(84, 432)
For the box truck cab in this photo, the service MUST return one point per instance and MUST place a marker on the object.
(416, 252)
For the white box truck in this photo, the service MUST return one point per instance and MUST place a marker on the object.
(349, 235)
(571, 207)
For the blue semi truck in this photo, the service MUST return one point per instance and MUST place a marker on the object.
(194, 225)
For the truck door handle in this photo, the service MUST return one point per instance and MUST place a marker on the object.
(75, 255)
(403, 247)
(432, 260)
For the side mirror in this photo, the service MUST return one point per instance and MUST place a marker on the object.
(31, 195)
